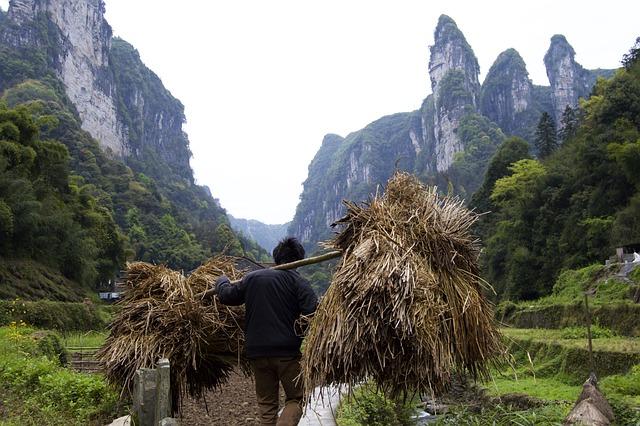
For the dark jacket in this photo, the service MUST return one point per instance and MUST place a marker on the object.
(274, 300)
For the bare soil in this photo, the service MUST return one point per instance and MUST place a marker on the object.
(235, 404)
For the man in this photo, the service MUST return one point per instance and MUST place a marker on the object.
(274, 300)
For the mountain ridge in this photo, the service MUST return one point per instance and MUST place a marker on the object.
(429, 142)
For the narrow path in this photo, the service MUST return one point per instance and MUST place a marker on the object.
(321, 410)
(235, 405)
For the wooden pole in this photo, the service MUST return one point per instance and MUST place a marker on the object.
(586, 306)
(291, 265)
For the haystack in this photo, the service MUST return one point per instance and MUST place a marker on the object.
(162, 316)
(592, 408)
(405, 307)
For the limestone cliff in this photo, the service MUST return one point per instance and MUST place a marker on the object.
(266, 235)
(507, 90)
(429, 142)
(120, 102)
(450, 139)
(569, 80)
(81, 39)
(153, 117)
(351, 168)
(453, 70)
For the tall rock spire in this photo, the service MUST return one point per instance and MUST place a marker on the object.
(451, 51)
(507, 91)
(453, 69)
(569, 81)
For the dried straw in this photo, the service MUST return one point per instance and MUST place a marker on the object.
(160, 316)
(405, 307)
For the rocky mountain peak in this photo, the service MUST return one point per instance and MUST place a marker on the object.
(451, 51)
(453, 70)
(569, 80)
(559, 48)
(506, 91)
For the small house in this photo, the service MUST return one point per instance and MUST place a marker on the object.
(625, 253)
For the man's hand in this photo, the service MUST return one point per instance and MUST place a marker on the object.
(220, 282)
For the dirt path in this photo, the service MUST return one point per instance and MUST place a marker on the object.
(234, 405)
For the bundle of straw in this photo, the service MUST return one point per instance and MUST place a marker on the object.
(405, 307)
(161, 316)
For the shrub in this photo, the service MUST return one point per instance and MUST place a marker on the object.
(505, 309)
(571, 284)
(499, 415)
(368, 406)
(40, 390)
(581, 332)
(82, 395)
(49, 344)
(60, 316)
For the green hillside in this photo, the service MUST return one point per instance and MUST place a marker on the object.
(71, 214)
(572, 208)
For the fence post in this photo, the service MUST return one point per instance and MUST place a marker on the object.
(586, 307)
(163, 391)
(144, 396)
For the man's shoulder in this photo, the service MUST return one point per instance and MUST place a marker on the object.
(260, 273)
(276, 274)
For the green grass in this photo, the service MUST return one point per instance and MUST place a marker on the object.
(624, 386)
(547, 389)
(38, 390)
(547, 415)
(595, 331)
(89, 339)
(608, 344)
(570, 286)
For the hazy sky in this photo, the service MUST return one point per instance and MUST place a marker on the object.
(263, 81)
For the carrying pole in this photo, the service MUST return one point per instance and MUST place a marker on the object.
(298, 263)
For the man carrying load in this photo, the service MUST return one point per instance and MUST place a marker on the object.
(274, 301)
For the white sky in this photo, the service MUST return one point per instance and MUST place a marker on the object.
(263, 81)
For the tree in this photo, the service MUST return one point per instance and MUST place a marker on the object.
(518, 190)
(512, 150)
(226, 241)
(546, 138)
(568, 124)
(628, 59)
(510, 260)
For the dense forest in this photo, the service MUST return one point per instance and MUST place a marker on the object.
(572, 197)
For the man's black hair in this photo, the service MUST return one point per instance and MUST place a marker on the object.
(288, 250)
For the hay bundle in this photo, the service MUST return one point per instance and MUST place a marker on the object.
(405, 307)
(161, 316)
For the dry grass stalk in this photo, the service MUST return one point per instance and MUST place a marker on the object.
(405, 307)
(161, 317)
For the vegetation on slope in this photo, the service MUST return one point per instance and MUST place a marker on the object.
(38, 390)
(573, 207)
(70, 215)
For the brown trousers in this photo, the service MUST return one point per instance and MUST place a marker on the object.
(269, 373)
